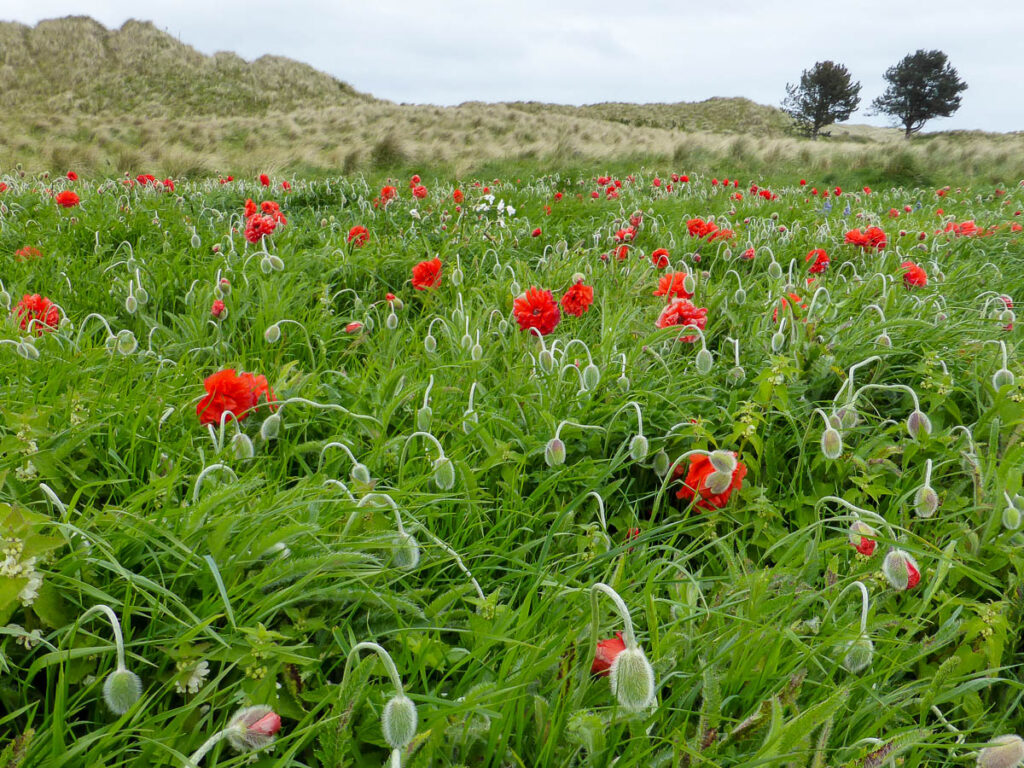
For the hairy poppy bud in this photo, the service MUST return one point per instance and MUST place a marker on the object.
(391, 321)
(405, 551)
(1006, 317)
(900, 570)
(271, 427)
(737, 374)
(638, 448)
(27, 349)
(131, 304)
(554, 452)
(831, 443)
(884, 340)
(739, 297)
(661, 463)
(430, 343)
(5, 299)
(444, 473)
(126, 342)
(503, 326)
(121, 690)
(858, 654)
(476, 352)
(778, 341)
(591, 376)
(926, 501)
(918, 422)
(1005, 752)
(466, 341)
(275, 262)
(456, 277)
(723, 461)
(1002, 378)
(423, 418)
(266, 267)
(704, 361)
(253, 728)
(273, 333)
(142, 295)
(848, 417)
(632, 679)
(242, 446)
(469, 420)
(775, 270)
(195, 242)
(515, 288)
(398, 722)
(862, 537)
(546, 360)
(360, 473)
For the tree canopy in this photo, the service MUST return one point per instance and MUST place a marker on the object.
(922, 86)
(825, 95)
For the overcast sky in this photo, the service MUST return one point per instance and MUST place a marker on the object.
(585, 51)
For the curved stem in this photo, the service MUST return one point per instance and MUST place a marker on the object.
(115, 625)
(205, 472)
(600, 509)
(858, 511)
(864, 605)
(385, 658)
(901, 387)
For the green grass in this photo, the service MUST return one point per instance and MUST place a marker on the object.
(270, 573)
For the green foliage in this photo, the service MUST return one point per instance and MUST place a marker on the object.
(825, 95)
(922, 86)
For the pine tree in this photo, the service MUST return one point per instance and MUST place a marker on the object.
(826, 95)
(922, 86)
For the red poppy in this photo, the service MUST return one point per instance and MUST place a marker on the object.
(872, 238)
(820, 260)
(660, 258)
(419, 191)
(353, 327)
(535, 233)
(783, 303)
(683, 312)
(38, 308)
(803, 182)
(427, 274)
(700, 228)
(696, 482)
(257, 227)
(217, 309)
(607, 651)
(264, 180)
(72, 176)
(231, 394)
(358, 236)
(67, 199)
(27, 253)
(286, 185)
(577, 299)
(457, 196)
(537, 309)
(913, 275)
(671, 285)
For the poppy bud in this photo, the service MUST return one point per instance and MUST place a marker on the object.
(900, 570)
(476, 352)
(121, 690)
(689, 284)
(444, 473)
(265, 266)
(466, 341)
(1011, 517)
(1006, 752)
(546, 360)
(1002, 378)
(242, 446)
(360, 473)
(515, 288)
(391, 321)
(273, 333)
(737, 374)
(632, 679)
(142, 295)
(423, 417)
(368, 323)
(723, 461)
(704, 361)
(405, 551)
(623, 382)
(554, 453)
(718, 482)
(224, 286)
(778, 341)
(196, 242)
(126, 342)
(469, 420)
(831, 443)
(270, 427)
(131, 304)
(398, 722)
(5, 299)
(591, 376)
(503, 326)
(1006, 316)
(27, 349)
(858, 654)
(638, 448)
(848, 417)
(739, 297)
(430, 343)
(275, 262)
(253, 728)
(862, 537)
(774, 270)
(926, 501)
(884, 340)
(661, 463)
(918, 422)
(456, 277)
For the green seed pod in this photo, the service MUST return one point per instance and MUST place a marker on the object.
(632, 680)
(398, 722)
(444, 473)
(121, 690)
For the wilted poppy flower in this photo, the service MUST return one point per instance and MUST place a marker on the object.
(67, 199)
(673, 285)
(711, 478)
(913, 275)
(577, 299)
(605, 654)
(820, 260)
(537, 309)
(38, 308)
(660, 258)
(427, 274)
(683, 312)
(358, 236)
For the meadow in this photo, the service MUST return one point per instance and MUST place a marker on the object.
(652, 468)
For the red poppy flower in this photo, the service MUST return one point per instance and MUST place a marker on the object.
(457, 196)
(67, 199)
(353, 327)
(683, 312)
(660, 258)
(38, 308)
(419, 191)
(577, 299)
(231, 394)
(537, 309)
(783, 303)
(535, 233)
(820, 260)
(671, 285)
(427, 274)
(27, 253)
(607, 651)
(700, 228)
(803, 182)
(286, 185)
(259, 226)
(701, 480)
(872, 238)
(217, 309)
(72, 176)
(358, 236)
(264, 180)
(748, 254)
(913, 275)
(414, 180)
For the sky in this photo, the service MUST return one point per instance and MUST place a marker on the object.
(585, 51)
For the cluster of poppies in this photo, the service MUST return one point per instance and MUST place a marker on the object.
(262, 220)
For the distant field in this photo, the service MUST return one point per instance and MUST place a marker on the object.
(638, 470)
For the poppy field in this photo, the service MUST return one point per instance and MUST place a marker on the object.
(656, 469)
